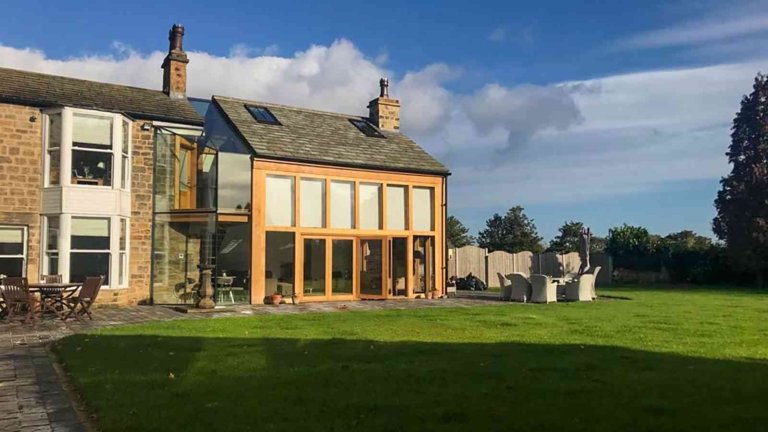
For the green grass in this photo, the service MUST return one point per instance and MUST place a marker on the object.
(667, 359)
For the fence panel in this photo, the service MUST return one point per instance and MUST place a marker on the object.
(471, 259)
(475, 260)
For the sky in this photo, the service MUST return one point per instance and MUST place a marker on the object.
(601, 112)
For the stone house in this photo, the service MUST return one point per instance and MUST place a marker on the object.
(148, 186)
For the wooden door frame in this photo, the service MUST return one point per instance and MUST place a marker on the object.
(384, 267)
(328, 289)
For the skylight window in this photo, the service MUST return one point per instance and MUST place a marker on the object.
(262, 115)
(366, 128)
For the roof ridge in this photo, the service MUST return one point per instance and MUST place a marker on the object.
(28, 72)
(290, 107)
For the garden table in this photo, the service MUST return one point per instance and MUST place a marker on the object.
(52, 295)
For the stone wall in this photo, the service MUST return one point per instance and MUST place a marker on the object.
(20, 171)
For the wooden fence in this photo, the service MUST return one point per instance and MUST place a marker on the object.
(475, 260)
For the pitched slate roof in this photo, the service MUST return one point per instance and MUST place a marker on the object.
(41, 90)
(313, 136)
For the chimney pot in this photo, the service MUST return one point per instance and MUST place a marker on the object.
(175, 64)
(383, 112)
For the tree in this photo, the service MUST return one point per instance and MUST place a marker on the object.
(598, 244)
(742, 202)
(567, 240)
(457, 233)
(631, 247)
(513, 232)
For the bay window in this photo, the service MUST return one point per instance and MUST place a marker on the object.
(51, 252)
(13, 250)
(87, 148)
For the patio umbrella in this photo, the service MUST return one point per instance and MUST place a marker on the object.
(584, 250)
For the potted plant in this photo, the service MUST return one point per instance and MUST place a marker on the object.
(277, 297)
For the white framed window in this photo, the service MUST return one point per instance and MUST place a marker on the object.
(90, 248)
(85, 148)
(125, 159)
(13, 250)
(51, 227)
(123, 254)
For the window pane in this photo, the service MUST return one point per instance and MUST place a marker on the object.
(90, 234)
(92, 132)
(342, 270)
(233, 263)
(280, 197)
(399, 265)
(234, 182)
(52, 239)
(12, 266)
(54, 167)
(91, 168)
(82, 265)
(54, 143)
(280, 261)
(423, 209)
(312, 203)
(11, 241)
(123, 275)
(423, 264)
(314, 267)
(54, 130)
(178, 248)
(370, 206)
(396, 207)
(52, 263)
(126, 137)
(125, 167)
(123, 233)
(342, 204)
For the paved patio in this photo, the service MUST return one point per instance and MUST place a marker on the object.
(32, 397)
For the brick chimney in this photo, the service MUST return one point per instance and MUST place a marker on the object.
(384, 112)
(175, 65)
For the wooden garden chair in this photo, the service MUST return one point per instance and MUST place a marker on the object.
(80, 303)
(18, 300)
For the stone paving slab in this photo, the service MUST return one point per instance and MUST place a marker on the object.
(32, 396)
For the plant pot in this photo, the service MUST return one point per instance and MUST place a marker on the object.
(276, 299)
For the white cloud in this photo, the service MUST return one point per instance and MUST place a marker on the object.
(583, 140)
(498, 34)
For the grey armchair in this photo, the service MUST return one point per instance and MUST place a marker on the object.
(544, 290)
(521, 287)
(580, 290)
(505, 288)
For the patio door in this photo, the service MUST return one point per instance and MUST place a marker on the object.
(398, 267)
(371, 268)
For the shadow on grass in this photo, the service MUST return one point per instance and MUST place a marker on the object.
(243, 384)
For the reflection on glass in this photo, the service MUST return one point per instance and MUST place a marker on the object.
(312, 203)
(82, 265)
(371, 262)
(11, 251)
(280, 263)
(91, 150)
(234, 182)
(396, 207)
(342, 266)
(233, 263)
(399, 266)
(342, 204)
(181, 243)
(423, 264)
(279, 201)
(370, 206)
(423, 209)
(314, 267)
(54, 148)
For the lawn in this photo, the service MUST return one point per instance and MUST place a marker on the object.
(664, 359)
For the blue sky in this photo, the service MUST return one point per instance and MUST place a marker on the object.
(604, 112)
